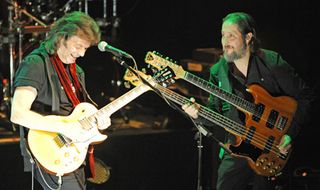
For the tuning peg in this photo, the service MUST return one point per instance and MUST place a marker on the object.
(164, 84)
(144, 70)
(154, 70)
(127, 84)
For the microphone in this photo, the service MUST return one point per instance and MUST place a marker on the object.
(104, 46)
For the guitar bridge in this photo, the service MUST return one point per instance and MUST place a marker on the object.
(272, 119)
(282, 123)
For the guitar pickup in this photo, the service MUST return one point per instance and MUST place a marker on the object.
(282, 123)
(259, 109)
(60, 140)
(272, 119)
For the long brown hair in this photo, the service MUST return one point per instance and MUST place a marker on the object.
(72, 24)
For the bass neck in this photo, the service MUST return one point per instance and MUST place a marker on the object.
(219, 92)
(208, 114)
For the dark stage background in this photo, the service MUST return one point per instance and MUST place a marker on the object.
(162, 152)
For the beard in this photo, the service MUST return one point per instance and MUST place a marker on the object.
(236, 54)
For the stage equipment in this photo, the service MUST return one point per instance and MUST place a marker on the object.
(102, 172)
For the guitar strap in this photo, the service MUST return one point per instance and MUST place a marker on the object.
(27, 156)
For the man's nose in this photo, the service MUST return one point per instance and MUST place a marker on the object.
(225, 40)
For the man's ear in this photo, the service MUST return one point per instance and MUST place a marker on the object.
(249, 37)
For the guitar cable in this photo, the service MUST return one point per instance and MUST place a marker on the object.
(32, 170)
(59, 180)
(33, 162)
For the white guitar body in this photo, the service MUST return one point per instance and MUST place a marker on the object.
(58, 156)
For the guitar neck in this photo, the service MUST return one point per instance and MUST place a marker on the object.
(160, 63)
(205, 112)
(120, 102)
(222, 94)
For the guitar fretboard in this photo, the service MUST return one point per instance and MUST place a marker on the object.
(205, 112)
(219, 92)
(118, 103)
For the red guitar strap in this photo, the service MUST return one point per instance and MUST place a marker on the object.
(67, 86)
(91, 161)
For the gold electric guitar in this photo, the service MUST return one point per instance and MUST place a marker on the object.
(57, 154)
(259, 149)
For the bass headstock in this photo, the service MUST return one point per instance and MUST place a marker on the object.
(159, 62)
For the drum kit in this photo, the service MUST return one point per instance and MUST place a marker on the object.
(23, 25)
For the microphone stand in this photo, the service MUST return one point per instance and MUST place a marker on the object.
(11, 47)
(198, 136)
(202, 131)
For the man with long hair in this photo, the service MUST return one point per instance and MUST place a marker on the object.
(48, 85)
(244, 63)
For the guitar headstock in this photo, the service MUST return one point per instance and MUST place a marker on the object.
(135, 80)
(157, 61)
(159, 78)
(165, 76)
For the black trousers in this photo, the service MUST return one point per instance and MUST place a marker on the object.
(235, 173)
